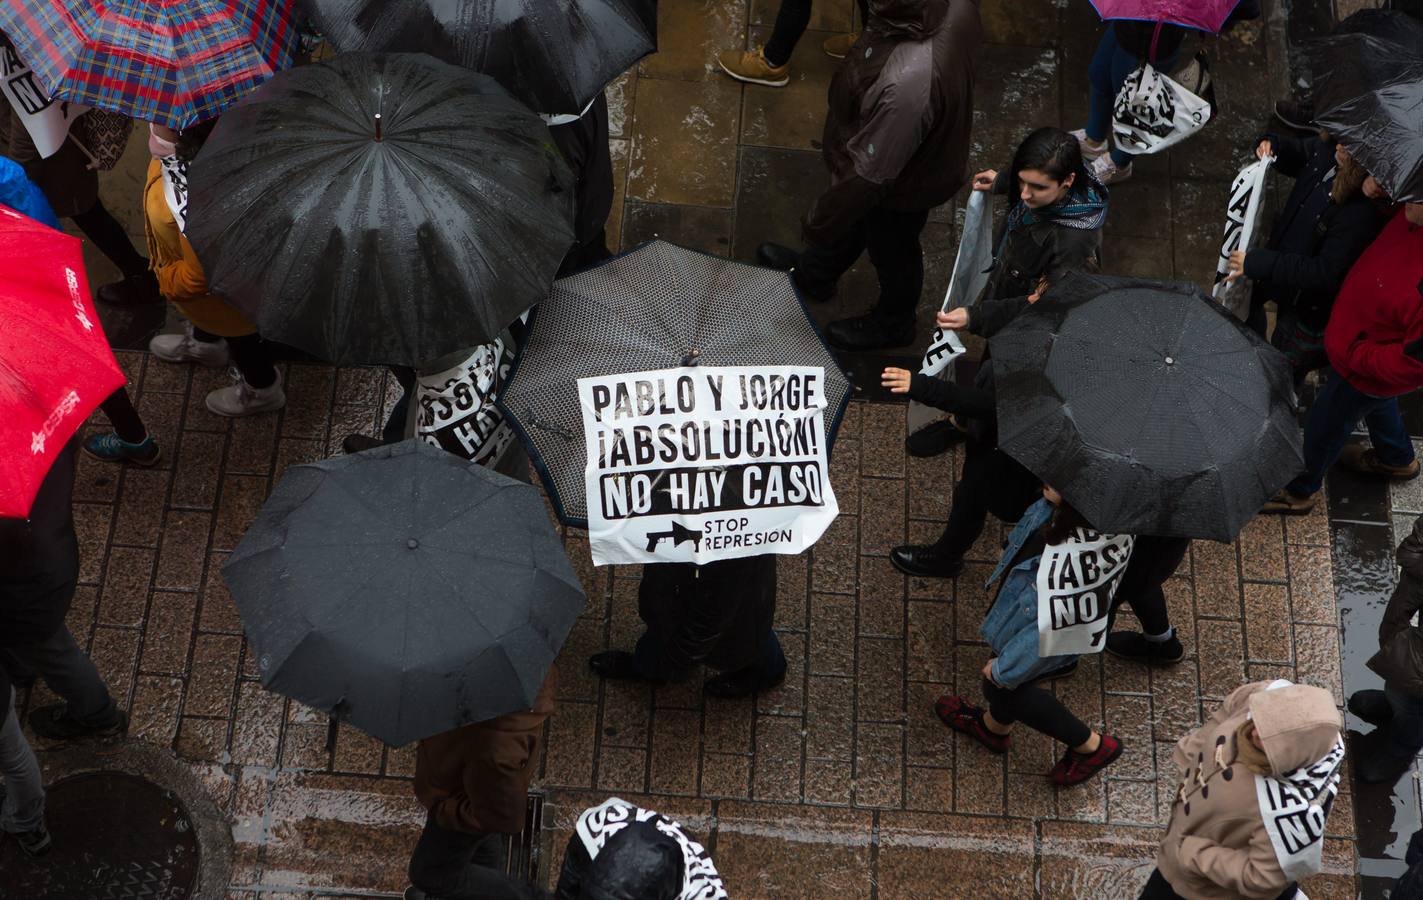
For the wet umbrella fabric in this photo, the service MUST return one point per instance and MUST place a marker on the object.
(648, 309)
(554, 55)
(404, 590)
(174, 62)
(55, 362)
(380, 208)
(1368, 79)
(1150, 408)
(1204, 15)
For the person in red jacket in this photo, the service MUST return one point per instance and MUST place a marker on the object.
(1375, 345)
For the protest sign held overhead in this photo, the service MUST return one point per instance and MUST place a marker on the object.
(1242, 216)
(702, 463)
(1076, 581)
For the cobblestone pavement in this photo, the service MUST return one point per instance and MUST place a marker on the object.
(841, 783)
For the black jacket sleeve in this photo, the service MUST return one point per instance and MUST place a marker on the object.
(1352, 227)
(988, 317)
(950, 397)
(1291, 153)
(1408, 596)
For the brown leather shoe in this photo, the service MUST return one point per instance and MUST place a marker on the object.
(838, 47)
(1366, 460)
(1285, 502)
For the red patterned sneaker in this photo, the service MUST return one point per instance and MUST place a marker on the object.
(1075, 768)
(962, 716)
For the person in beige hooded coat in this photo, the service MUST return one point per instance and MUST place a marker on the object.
(1217, 845)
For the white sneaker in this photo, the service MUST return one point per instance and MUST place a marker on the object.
(1108, 172)
(181, 348)
(244, 400)
(1090, 149)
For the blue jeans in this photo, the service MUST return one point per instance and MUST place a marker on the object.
(1337, 409)
(1110, 66)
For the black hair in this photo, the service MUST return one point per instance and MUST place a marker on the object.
(191, 139)
(1064, 521)
(1053, 152)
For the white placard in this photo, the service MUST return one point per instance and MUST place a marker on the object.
(1076, 581)
(456, 406)
(1242, 216)
(46, 120)
(702, 463)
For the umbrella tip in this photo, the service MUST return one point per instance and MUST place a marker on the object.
(378, 135)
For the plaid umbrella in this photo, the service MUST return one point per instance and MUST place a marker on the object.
(174, 62)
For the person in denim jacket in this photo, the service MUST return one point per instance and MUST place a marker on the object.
(1011, 676)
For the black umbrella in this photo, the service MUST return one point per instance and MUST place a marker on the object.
(1368, 93)
(380, 209)
(656, 307)
(1148, 406)
(405, 590)
(555, 55)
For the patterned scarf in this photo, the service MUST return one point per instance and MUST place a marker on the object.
(1084, 208)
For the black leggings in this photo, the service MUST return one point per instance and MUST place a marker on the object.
(992, 482)
(111, 239)
(127, 425)
(1036, 708)
(791, 20)
(250, 355)
(1153, 560)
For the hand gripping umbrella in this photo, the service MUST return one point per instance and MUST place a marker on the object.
(650, 309)
(380, 208)
(404, 590)
(1150, 409)
(55, 362)
(1368, 78)
(555, 55)
(174, 62)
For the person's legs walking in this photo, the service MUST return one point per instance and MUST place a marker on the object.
(1389, 435)
(819, 266)
(258, 386)
(892, 239)
(968, 511)
(1153, 560)
(22, 810)
(129, 441)
(88, 709)
(1337, 409)
(1102, 92)
(1037, 708)
(791, 20)
(139, 284)
(458, 865)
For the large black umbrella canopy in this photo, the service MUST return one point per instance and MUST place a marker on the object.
(380, 208)
(1147, 406)
(651, 308)
(1368, 92)
(555, 55)
(404, 590)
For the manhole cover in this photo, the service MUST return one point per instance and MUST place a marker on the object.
(116, 836)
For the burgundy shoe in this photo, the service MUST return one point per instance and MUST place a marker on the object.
(965, 718)
(1075, 768)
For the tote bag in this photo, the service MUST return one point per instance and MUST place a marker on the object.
(1153, 111)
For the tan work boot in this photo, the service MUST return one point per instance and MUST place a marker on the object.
(839, 46)
(1289, 504)
(751, 66)
(1367, 461)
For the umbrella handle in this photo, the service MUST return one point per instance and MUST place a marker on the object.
(332, 724)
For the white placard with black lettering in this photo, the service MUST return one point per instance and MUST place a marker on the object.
(1295, 808)
(1242, 216)
(46, 120)
(457, 411)
(703, 463)
(1076, 581)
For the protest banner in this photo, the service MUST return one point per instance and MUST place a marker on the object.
(456, 407)
(971, 267)
(46, 121)
(701, 463)
(1242, 216)
(1076, 581)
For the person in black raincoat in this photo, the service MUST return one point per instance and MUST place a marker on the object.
(896, 143)
(1327, 222)
(39, 571)
(719, 614)
(1052, 228)
(583, 141)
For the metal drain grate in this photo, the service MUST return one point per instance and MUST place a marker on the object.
(524, 850)
(116, 837)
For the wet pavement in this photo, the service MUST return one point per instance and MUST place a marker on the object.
(841, 783)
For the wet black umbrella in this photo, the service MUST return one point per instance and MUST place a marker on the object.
(404, 590)
(1368, 93)
(650, 309)
(1150, 408)
(380, 209)
(555, 55)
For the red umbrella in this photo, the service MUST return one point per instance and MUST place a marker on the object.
(55, 362)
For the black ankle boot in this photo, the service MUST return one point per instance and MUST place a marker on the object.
(135, 290)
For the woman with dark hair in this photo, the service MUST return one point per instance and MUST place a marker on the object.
(1330, 217)
(1010, 677)
(1052, 228)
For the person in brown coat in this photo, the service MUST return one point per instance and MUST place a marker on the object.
(896, 143)
(474, 780)
(1257, 781)
(1397, 710)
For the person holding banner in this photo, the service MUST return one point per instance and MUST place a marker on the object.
(1327, 222)
(1055, 583)
(1374, 342)
(719, 614)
